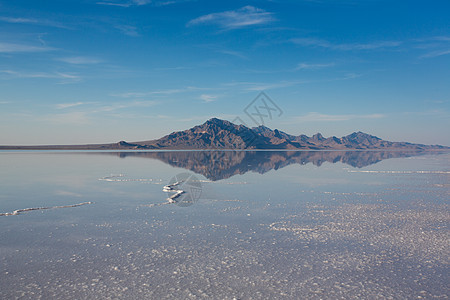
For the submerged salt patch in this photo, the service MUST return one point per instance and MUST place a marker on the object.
(122, 178)
(18, 211)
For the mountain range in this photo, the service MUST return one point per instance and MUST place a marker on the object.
(221, 134)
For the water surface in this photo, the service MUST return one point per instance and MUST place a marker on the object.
(249, 225)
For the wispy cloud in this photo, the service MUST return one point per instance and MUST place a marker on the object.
(208, 98)
(313, 42)
(233, 19)
(172, 68)
(233, 53)
(435, 46)
(318, 117)
(125, 3)
(159, 92)
(80, 60)
(131, 3)
(115, 4)
(17, 48)
(68, 105)
(117, 106)
(76, 117)
(437, 101)
(202, 118)
(306, 66)
(128, 30)
(20, 20)
(436, 53)
(64, 77)
(263, 86)
(275, 85)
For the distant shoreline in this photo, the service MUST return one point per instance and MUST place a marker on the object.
(122, 149)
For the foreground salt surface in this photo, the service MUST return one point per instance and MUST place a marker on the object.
(389, 241)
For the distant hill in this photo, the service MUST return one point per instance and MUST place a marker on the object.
(221, 134)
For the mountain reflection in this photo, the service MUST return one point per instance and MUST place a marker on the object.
(216, 165)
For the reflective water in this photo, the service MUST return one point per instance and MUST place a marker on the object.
(247, 225)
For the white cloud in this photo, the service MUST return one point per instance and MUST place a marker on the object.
(19, 20)
(233, 53)
(77, 117)
(232, 19)
(313, 42)
(117, 106)
(208, 98)
(80, 60)
(160, 92)
(436, 53)
(131, 3)
(87, 115)
(14, 48)
(128, 30)
(306, 66)
(172, 68)
(125, 3)
(64, 77)
(435, 46)
(114, 4)
(68, 105)
(318, 117)
(260, 86)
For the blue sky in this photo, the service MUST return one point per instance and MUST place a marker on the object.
(89, 71)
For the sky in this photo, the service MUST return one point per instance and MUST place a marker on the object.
(100, 71)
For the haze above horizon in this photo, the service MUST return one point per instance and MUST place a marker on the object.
(77, 72)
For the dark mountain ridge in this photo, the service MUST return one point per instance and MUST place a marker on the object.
(221, 134)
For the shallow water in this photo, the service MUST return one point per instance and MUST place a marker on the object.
(248, 225)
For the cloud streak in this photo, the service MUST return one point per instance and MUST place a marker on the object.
(318, 117)
(125, 3)
(76, 117)
(233, 53)
(160, 92)
(261, 86)
(128, 30)
(68, 105)
(18, 48)
(131, 3)
(314, 42)
(233, 19)
(118, 106)
(208, 98)
(80, 60)
(19, 20)
(436, 53)
(306, 66)
(64, 77)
